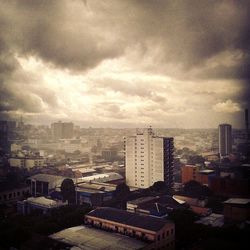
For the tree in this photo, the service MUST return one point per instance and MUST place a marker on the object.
(121, 195)
(195, 159)
(68, 190)
(122, 190)
(196, 189)
(159, 186)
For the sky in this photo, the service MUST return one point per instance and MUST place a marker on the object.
(125, 63)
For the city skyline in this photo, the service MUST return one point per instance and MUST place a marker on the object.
(125, 63)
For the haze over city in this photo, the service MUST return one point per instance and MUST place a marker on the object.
(124, 124)
(171, 64)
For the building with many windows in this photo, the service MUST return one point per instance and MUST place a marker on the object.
(62, 130)
(225, 139)
(149, 159)
(44, 184)
(159, 232)
(12, 195)
(27, 162)
(194, 173)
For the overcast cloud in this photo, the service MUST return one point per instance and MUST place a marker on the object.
(127, 63)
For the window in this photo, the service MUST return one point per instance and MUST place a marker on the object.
(159, 237)
(172, 231)
(163, 235)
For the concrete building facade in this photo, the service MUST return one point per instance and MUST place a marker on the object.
(161, 233)
(14, 194)
(194, 173)
(62, 130)
(225, 139)
(149, 159)
(27, 162)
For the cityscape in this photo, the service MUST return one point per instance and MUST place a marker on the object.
(124, 125)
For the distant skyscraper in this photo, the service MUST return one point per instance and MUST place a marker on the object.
(148, 159)
(68, 130)
(62, 130)
(225, 139)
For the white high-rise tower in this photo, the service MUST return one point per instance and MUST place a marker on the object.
(149, 159)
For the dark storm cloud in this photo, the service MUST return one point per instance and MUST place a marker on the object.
(18, 100)
(191, 32)
(195, 40)
(245, 95)
(79, 35)
(46, 29)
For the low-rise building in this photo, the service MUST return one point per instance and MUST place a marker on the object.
(111, 177)
(14, 194)
(213, 220)
(230, 187)
(133, 205)
(198, 206)
(158, 206)
(237, 209)
(194, 173)
(83, 237)
(41, 204)
(109, 154)
(95, 194)
(28, 162)
(205, 175)
(44, 184)
(188, 173)
(160, 232)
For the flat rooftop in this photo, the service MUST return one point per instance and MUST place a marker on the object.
(189, 166)
(84, 170)
(238, 201)
(214, 220)
(47, 177)
(142, 200)
(130, 219)
(93, 239)
(102, 177)
(97, 186)
(206, 171)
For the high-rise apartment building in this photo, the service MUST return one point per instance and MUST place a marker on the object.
(149, 159)
(62, 130)
(225, 139)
